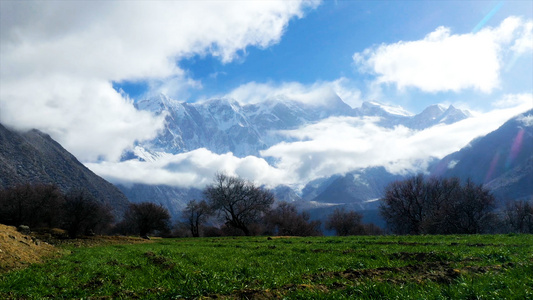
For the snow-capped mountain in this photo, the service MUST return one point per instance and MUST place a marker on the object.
(437, 114)
(224, 125)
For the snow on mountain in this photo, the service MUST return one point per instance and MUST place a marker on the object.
(437, 114)
(158, 104)
(393, 110)
(225, 125)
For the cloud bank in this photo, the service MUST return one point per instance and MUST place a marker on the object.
(442, 61)
(59, 60)
(192, 169)
(317, 93)
(335, 145)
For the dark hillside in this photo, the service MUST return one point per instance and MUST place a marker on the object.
(502, 160)
(34, 157)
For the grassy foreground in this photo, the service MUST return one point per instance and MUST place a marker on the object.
(390, 267)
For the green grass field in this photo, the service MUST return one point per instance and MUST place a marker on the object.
(359, 267)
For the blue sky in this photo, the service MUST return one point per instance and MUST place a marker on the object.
(320, 45)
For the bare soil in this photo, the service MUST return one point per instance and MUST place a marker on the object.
(18, 250)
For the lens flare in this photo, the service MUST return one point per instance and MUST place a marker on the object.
(493, 164)
(487, 17)
(515, 148)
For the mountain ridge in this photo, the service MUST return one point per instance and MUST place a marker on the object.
(501, 160)
(224, 125)
(34, 157)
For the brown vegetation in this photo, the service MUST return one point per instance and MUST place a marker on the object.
(18, 250)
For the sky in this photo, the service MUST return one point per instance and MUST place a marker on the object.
(73, 69)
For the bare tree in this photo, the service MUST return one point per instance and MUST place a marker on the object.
(15, 204)
(403, 205)
(519, 216)
(48, 202)
(83, 214)
(238, 202)
(437, 206)
(144, 218)
(33, 205)
(472, 211)
(345, 222)
(285, 220)
(195, 214)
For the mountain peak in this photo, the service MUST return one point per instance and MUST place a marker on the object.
(376, 108)
(452, 115)
(157, 104)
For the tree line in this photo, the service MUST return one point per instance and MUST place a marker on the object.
(234, 206)
(77, 212)
(420, 205)
(241, 208)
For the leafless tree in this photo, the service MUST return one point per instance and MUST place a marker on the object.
(45, 210)
(403, 206)
(472, 210)
(195, 215)
(437, 206)
(238, 202)
(284, 220)
(33, 205)
(144, 218)
(345, 222)
(519, 216)
(83, 214)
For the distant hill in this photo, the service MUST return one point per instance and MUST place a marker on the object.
(502, 160)
(34, 157)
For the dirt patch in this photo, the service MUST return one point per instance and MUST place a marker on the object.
(419, 256)
(258, 294)
(18, 250)
(277, 237)
(440, 272)
(159, 260)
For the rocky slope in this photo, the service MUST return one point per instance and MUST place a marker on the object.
(34, 157)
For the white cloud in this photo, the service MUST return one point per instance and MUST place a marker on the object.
(192, 169)
(448, 62)
(333, 146)
(342, 144)
(59, 59)
(513, 100)
(318, 93)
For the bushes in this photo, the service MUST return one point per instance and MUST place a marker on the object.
(46, 206)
